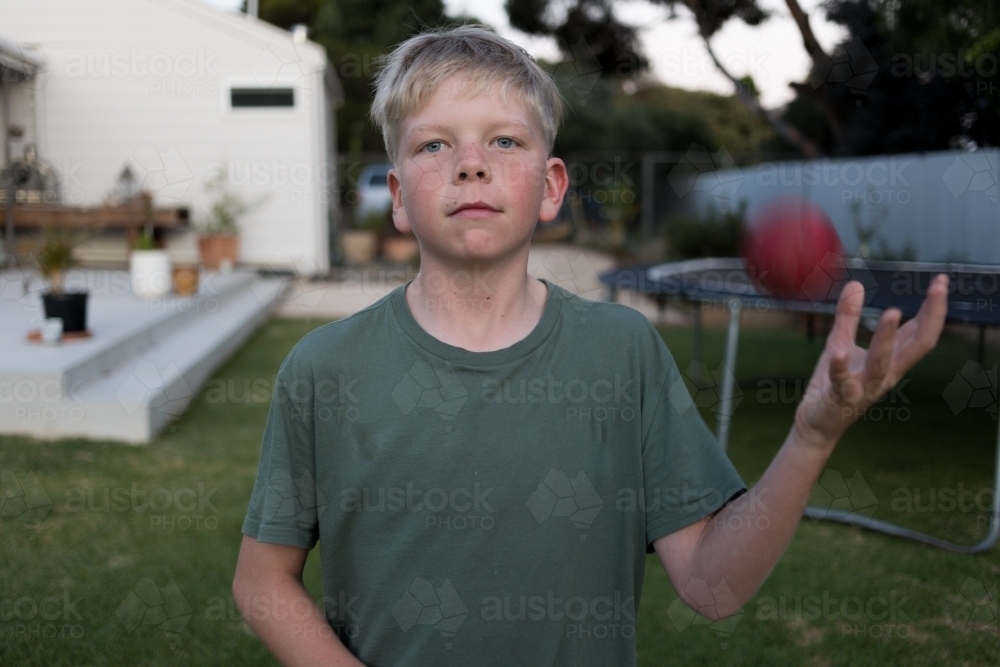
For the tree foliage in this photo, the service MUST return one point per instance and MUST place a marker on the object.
(601, 115)
(355, 33)
(912, 75)
(616, 44)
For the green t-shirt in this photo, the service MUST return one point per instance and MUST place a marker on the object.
(487, 508)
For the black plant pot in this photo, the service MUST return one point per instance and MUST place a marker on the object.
(70, 307)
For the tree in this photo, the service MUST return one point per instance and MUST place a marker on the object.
(912, 75)
(354, 33)
(617, 49)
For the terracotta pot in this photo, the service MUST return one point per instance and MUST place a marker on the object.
(219, 250)
(359, 245)
(400, 249)
(186, 280)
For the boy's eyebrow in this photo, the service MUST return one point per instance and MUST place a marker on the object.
(494, 126)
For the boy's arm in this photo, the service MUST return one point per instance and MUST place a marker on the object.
(718, 563)
(268, 591)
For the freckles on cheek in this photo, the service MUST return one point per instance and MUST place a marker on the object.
(427, 177)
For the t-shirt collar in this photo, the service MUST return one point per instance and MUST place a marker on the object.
(458, 355)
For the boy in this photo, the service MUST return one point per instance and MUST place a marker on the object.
(487, 458)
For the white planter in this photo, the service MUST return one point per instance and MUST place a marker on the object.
(151, 276)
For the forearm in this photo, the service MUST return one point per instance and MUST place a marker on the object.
(742, 543)
(280, 612)
(730, 555)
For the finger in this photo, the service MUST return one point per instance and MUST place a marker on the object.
(920, 334)
(840, 372)
(878, 360)
(845, 323)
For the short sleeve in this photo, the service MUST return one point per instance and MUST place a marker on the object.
(285, 505)
(686, 474)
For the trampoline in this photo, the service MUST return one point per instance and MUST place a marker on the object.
(973, 298)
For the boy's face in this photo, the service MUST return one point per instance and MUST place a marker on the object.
(471, 178)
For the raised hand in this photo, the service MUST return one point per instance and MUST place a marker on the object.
(848, 379)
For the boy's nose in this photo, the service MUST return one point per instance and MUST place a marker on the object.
(472, 165)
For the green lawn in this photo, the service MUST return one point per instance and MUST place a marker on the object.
(77, 567)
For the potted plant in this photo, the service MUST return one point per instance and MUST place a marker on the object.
(399, 248)
(149, 266)
(360, 242)
(218, 242)
(52, 253)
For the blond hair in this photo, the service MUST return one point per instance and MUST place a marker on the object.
(410, 74)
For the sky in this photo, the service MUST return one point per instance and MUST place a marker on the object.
(771, 53)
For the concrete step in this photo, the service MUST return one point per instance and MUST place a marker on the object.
(131, 390)
(122, 324)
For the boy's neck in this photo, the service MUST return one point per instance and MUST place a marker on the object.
(479, 308)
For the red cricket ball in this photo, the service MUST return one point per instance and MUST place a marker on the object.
(791, 251)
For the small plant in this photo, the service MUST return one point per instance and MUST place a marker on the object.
(377, 221)
(714, 235)
(224, 214)
(51, 252)
(145, 241)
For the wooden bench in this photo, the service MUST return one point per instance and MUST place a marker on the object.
(130, 217)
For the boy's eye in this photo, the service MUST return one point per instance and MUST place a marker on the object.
(505, 142)
(433, 147)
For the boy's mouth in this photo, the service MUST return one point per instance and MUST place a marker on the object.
(476, 209)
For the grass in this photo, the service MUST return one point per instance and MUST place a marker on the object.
(71, 580)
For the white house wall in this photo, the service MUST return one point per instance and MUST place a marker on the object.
(20, 102)
(146, 83)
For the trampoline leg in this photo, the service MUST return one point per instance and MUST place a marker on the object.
(696, 342)
(898, 531)
(729, 372)
(981, 344)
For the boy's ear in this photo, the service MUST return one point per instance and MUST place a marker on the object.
(556, 184)
(398, 212)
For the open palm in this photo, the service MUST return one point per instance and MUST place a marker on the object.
(848, 378)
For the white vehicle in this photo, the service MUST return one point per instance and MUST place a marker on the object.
(373, 191)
